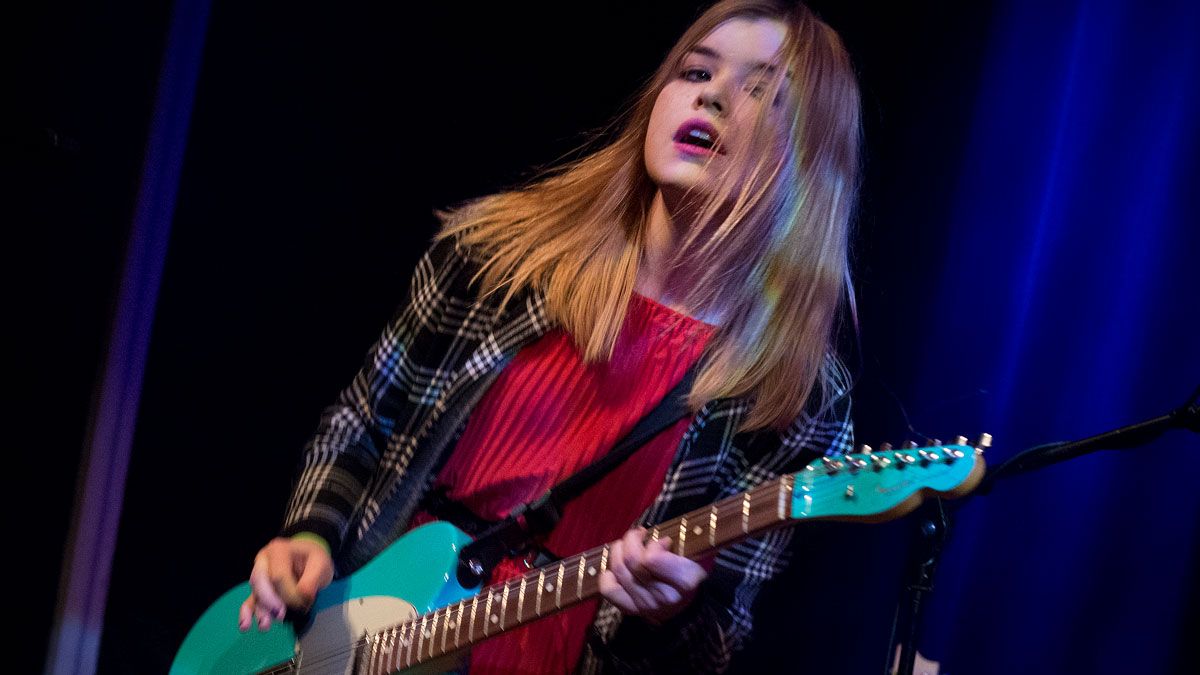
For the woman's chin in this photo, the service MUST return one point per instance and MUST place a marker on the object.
(693, 179)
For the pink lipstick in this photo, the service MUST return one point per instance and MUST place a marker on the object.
(697, 137)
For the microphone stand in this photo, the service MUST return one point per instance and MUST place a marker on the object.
(933, 521)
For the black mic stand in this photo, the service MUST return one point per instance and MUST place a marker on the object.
(933, 521)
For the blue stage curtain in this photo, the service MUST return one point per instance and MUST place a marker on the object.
(1069, 306)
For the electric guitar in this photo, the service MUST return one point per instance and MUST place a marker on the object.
(406, 611)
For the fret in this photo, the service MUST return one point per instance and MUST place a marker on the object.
(433, 632)
(579, 581)
(369, 643)
(401, 653)
(397, 645)
(521, 599)
(474, 605)
(445, 628)
(382, 650)
(458, 623)
(558, 586)
(681, 547)
(712, 526)
(394, 649)
(375, 640)
(385, 651)
(372, 640)
(367, 651)
(420, 637)
(487, 614)
(389, 650)
(504, 606)
(604, 559)
(407, 642)
(377, 651)
(541, 587)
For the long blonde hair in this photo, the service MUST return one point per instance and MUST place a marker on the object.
(776, 258)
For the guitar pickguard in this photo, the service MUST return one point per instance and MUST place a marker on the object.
(323, 647)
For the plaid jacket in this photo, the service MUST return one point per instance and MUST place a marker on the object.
(377, 449)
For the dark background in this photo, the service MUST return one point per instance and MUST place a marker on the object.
(321, 140)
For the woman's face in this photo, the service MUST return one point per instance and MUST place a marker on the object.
(706, 110)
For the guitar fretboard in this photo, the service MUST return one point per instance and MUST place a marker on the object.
(572, 580)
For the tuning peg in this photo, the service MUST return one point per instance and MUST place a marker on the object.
(909, 445)
(984, 442)
(959, 440)
(935, 441)
(865, 449)
(831, 465)
(884, 447)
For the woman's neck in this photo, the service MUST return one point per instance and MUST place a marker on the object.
(659, 277)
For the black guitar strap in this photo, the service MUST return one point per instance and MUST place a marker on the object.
(517, 533)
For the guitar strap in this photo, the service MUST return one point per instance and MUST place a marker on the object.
(518, 532)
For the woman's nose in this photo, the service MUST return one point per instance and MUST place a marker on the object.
(713, 101)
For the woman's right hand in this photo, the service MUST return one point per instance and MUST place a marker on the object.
(287, 572)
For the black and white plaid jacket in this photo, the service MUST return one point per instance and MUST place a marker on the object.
(378, 448)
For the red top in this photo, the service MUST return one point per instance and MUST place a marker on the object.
(549, 415)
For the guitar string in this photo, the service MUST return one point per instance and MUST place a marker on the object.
(726, 507)
(733, 508)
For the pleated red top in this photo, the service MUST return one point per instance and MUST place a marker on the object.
(549, 415)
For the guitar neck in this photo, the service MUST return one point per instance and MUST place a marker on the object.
(572, 580)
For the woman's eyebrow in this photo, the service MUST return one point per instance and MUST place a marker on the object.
(702, 50)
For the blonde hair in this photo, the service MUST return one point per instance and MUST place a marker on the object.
(774, 258)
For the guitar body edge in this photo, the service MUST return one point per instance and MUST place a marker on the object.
(416, 574)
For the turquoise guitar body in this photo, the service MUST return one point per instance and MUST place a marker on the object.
(414, 575)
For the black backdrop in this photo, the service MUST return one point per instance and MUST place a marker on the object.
(321, 140)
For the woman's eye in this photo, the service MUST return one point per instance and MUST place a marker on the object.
(695, 75)
(757, 90)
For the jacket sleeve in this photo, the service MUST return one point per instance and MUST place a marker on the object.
(704, 637)
(343, 456)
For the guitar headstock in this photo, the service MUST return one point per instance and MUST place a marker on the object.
(877, 485)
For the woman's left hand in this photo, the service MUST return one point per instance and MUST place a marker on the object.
(647, 580)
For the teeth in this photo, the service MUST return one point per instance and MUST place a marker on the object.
(698, 137)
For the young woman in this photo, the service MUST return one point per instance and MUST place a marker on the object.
(545, 321)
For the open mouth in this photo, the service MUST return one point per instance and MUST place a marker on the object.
(697, 133)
